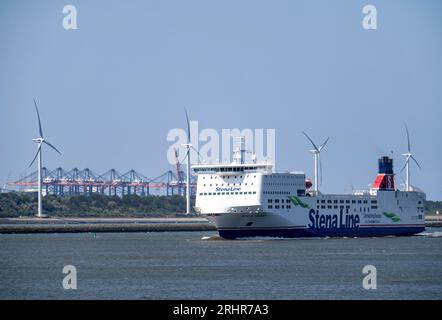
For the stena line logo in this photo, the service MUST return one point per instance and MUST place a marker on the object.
(332, 221)
(219, 189)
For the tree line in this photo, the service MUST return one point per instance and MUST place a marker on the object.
(14, 204)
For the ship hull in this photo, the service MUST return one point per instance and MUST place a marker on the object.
(276, 232)
(231, 226)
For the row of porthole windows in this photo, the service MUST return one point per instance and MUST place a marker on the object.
(361, 209)
(283, 177)
(347, 201)
(277, 200)
(227, 184)
(277, 192)
(227, 177)
(277, 206)
(279, 184)
(226, 193)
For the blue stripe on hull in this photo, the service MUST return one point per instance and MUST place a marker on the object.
(307, 233)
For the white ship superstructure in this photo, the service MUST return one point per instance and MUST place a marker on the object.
(249, 199)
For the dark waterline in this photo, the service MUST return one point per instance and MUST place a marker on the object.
(180, 265)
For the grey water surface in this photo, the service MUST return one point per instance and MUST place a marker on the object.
(186, 265)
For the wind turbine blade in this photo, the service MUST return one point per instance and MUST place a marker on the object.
(414, 159)
(314, 145)
(185, 157)
(49, 144)
(403, 168)
(323, 145)
(320, 170)
(197, 152)
(408, 138)
(39, 122)
(33, 160)
(188, 126)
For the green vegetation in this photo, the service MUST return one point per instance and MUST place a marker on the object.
(94, 205)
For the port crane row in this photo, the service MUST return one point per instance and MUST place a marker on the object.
(62, 182)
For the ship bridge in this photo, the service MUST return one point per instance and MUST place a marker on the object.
(232, 168)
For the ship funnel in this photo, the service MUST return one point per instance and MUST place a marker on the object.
(385, 178)
(385, 165)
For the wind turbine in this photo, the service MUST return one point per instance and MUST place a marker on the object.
(188, 146)
(40, 140)
(316, 152)
(408, 155)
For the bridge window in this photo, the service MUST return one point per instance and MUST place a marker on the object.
(270, 207)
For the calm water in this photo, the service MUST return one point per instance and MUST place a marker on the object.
(181, 265)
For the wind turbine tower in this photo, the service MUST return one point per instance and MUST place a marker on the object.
(316, 152)
(40, 141)
(408, 155)
(188, 146)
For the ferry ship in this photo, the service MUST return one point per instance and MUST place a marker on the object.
(251, 200)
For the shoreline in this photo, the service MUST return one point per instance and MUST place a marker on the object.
(82, 225)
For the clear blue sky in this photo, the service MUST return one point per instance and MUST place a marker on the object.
(110, 91)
